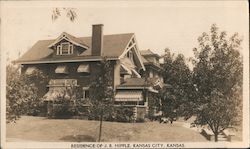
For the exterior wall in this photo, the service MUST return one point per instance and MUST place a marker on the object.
(83, 79)
(117, 68)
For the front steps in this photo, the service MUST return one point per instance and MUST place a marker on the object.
(222, 137)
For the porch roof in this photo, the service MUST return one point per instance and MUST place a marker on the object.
(138, 82)
(55, 93)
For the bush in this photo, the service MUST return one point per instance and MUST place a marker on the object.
(36, 108)
(140, 120)
(117, 114)
(60, 109)
(123, 114)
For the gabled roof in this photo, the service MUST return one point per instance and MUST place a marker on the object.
(113, 46)
(70, 38)
(149, 53)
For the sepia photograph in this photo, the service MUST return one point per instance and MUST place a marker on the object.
(124, 74)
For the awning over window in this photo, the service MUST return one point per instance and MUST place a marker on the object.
(83, 68)
(55, 93)
(129, 96)
(30, 70)
(62, 82)
(61, 69)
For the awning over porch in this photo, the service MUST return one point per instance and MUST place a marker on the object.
(30, 70)
(83, 68)
(55, 93)
(61, 69)
(129, 96)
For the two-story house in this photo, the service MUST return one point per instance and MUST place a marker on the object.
(68, 59)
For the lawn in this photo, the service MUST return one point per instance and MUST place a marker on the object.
(57, 130)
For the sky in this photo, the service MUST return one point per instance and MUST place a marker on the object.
(157, 24)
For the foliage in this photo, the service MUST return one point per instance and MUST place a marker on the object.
(70, 13)
(101, 90)
(102, 93)
(67, 104)
(123, 114)
(178, 75)
(18, 93)
(39, 80)
(218, 75)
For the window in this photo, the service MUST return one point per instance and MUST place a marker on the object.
(85, 93)
(64, 49)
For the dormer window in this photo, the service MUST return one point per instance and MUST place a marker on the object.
(64, 48)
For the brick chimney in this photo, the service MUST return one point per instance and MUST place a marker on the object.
(97, 39)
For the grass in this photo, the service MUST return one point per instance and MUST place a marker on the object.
(72, 130)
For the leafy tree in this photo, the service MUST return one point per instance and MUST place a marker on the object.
(218, 75)
(70, 13)
(178, 75)
(18, 93)
(102, 94)
(39, 80)
(66, 104)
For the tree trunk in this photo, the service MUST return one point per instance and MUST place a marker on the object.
(216, 137)
(100, 128)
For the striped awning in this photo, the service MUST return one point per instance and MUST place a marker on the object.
(129, 96)
(30, 70)
(83, 68)
(55, 93)
(61, 69)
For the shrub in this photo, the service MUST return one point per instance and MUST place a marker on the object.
(36, 108)
(123, 114)
(60, 109)
(140, 120)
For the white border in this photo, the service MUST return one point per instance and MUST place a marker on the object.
(243, 144)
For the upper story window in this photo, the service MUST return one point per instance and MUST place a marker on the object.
(64, 48)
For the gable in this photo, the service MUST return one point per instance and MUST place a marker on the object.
(137, 58)
(69, 38)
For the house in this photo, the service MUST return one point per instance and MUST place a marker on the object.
(136, 75)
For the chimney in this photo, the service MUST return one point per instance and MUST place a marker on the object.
(97, 39)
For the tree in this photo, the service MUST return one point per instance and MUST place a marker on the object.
(102, 93)
(218, 75)
(18, 93)
(66, 104)
(178, 75)
(70, 13)
(39, 80)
